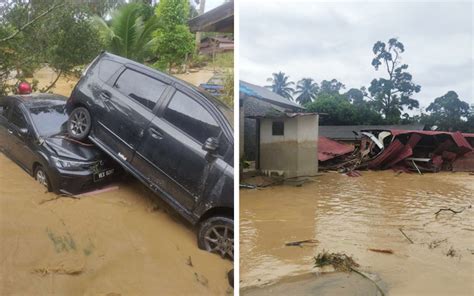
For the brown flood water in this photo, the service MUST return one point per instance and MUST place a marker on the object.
(351, 215)
(119, 242)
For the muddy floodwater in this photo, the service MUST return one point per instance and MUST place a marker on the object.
(120, 242)
(353, 215)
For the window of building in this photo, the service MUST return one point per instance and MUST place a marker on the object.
(278, 128)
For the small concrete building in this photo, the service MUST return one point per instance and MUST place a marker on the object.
(288, 144)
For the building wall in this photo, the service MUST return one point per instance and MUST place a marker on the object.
(293, 154)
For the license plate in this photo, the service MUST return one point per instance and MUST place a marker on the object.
(103, 174)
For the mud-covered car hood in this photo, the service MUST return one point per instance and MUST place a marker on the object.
(67, 148)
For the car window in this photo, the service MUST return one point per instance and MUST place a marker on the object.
(107, 68)
(141, 88)
(18, 118)
(4, 108)
(192, 118)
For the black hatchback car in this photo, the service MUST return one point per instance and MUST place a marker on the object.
(175, 138)
(32, 133)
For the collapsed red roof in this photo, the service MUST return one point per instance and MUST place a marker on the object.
(329, 149)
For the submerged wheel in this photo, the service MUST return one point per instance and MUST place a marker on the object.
(216, 235)
(42, 177)
(79, 123)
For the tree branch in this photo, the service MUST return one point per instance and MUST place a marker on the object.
(53, 83)
(31, 22)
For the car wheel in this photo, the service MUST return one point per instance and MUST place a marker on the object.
(79, 123)
(216, 235)
(42, 177)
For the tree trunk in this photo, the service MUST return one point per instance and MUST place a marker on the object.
(198, 34)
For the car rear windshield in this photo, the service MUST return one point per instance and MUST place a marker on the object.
(49, 120)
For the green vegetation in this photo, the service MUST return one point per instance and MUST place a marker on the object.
(174, 41)
(228, 91)
(128, 34)
(55, 32)
(281, 85)
(307, 90)
(389, 95)
(383, 102)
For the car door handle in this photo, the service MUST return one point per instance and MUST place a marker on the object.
(105, 96)
(155, 134)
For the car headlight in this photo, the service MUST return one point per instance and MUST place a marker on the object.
(70, 164)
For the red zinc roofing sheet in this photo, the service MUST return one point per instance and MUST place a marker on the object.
(459, 138)
(328, 149)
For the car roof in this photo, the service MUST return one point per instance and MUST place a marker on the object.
(188, 85)
(38, 100)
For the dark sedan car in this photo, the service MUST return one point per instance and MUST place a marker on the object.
(31, 134)
(173, 137)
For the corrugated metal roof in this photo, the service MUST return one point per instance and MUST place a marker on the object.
(328, 149)
(344, 132)
(278, 114)
(260, 92)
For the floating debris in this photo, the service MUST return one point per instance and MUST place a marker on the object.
(385, 251)
(340, 261)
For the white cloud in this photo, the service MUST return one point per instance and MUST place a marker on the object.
(326, 40)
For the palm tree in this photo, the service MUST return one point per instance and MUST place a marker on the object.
(281, 85)
(127, 34)
(307, 90)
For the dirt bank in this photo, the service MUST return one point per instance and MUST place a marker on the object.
(65, 84)
(351, 215)
(114, 243)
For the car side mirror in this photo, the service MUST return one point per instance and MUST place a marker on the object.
(210, 145)
(23, 131)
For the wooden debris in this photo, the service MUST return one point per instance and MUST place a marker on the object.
(300, 243)
(453, 211)
(406, 236)
(385, 251)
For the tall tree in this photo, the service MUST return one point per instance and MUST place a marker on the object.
(128, 35)
(307, 90)
(174, 41)
(281, 85)
(448, 112)
(390, 95)
(331, 86)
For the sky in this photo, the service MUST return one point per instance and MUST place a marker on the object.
(325, 40)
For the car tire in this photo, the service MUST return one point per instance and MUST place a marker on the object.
(42, 177)
(79, 123)
(216, 235)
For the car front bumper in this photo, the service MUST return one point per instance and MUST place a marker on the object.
(74, 182)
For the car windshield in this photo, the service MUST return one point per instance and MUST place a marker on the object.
(49, 120)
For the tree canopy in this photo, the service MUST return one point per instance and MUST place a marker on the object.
(307, 90)
(128, 34)
(448, 112)
(391, 94)
(281, 85)
(174, 41)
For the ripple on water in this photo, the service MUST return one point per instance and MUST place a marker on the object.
(353, 214)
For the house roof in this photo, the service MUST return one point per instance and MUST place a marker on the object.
(218, 39)
(259, 92)
(219, 19)
(345, 132)
(276, 114)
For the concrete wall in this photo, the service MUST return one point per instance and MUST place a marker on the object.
(293, 154)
